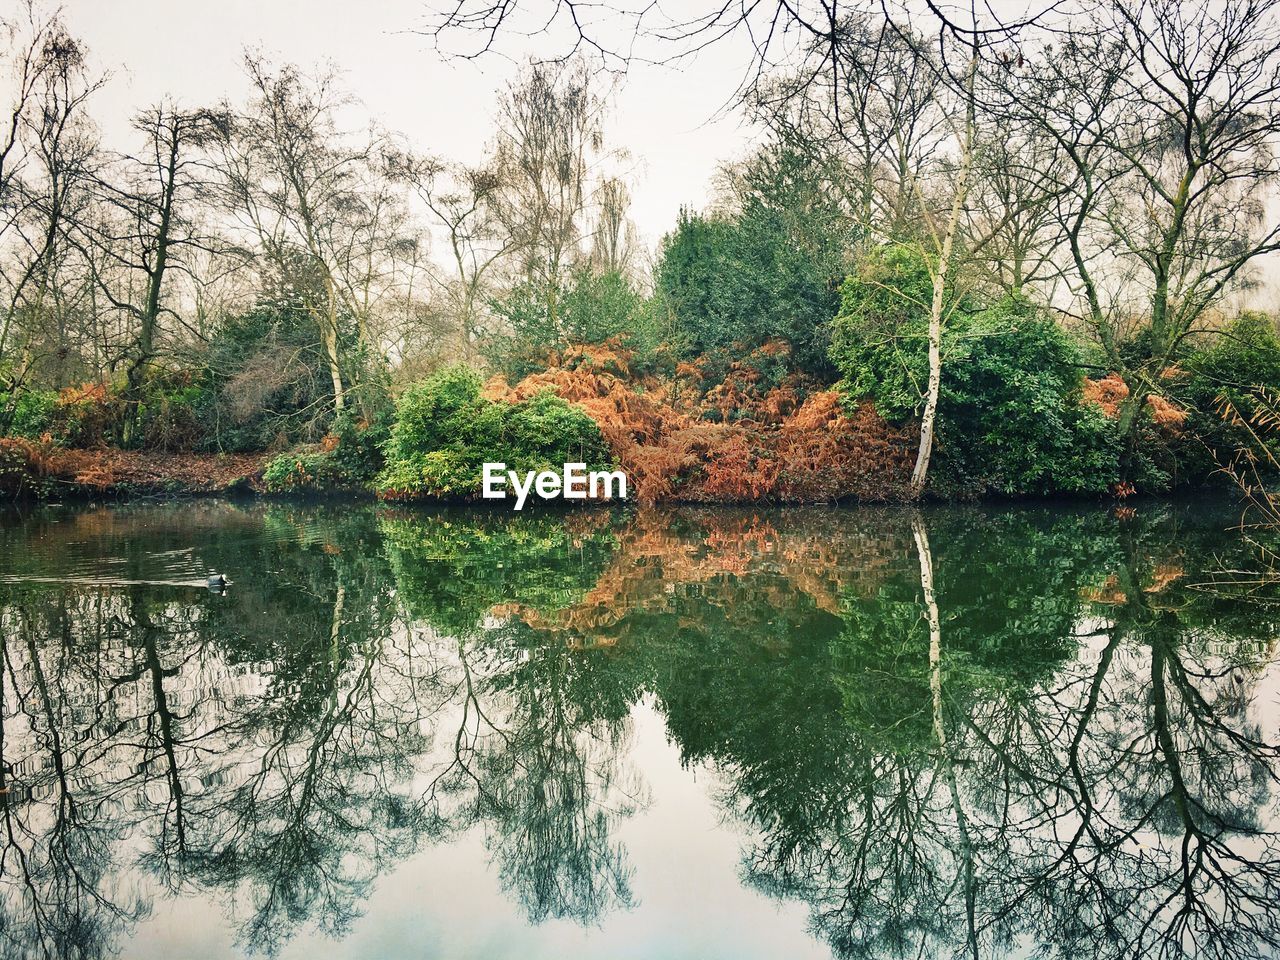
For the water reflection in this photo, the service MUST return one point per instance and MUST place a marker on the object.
(958, 733)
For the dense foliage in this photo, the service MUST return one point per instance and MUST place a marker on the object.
(259, 383)
(877, 341)
(1015, 287)
(540, 319)
(267, 379)
(445, 430)
(769, 269)
(1011, 412)
(1218, 389)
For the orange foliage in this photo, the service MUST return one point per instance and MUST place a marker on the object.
(24, 464)
(1163, 575)
(737, 440)
(828, 455)
(1164, 413)
(656, 568)
(86, 393)
(1109, 593)
(1110, 391)
(90, 411)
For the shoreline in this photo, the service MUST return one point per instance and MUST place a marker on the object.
(37, 473)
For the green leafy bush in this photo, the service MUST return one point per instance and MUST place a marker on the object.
(34, 413)
(593, 308)
(1226, 370)
(313, 471)
(770, 270)
(358, 444)
(879, 337)
(445, 431)
(349, 458)
(1011, 418)
(87, 415)
(451, 570)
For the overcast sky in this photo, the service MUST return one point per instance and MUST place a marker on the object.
(669, 120)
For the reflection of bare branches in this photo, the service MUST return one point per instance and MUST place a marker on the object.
(287, 787)
(943, 737)
(1122, 807)
(56, 859)
(541, 778)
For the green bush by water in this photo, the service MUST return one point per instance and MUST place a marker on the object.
(1010, 415)
(445, 431)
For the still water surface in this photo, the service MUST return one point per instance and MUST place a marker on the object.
(978, 732)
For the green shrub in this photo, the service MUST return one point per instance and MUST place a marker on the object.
(879, 339)
(1010, 415)
(358, 444)
(311, 471)
(451, 571)
(34, 414)
(436, 413)
(445, 431)
(768, 270)
(1243, 357)
(593, 308)
(350, 458)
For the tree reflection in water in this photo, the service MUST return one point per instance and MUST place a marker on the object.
(958, 733)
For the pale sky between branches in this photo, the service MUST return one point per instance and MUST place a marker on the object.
(668, 119)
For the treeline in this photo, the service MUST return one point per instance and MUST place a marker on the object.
(974, 261)
(250, 271)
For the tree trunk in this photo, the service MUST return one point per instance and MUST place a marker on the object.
(920, 475)
(945, 754)
(330, 337)
(329, 334)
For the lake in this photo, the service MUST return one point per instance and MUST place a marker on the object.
(965, 731)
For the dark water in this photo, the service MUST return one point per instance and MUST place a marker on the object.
(741, 734)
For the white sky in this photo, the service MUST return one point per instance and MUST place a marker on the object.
(670, 121)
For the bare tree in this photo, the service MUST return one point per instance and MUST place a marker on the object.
(1014, 204)
(1164, 121)
(613, 241)
(874, 101)
(463, 202)
(33, 48)
(48, 156)
(308, 195)
(149, 224)
(547, 148)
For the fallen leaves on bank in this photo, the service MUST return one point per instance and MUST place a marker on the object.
(31, 467)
